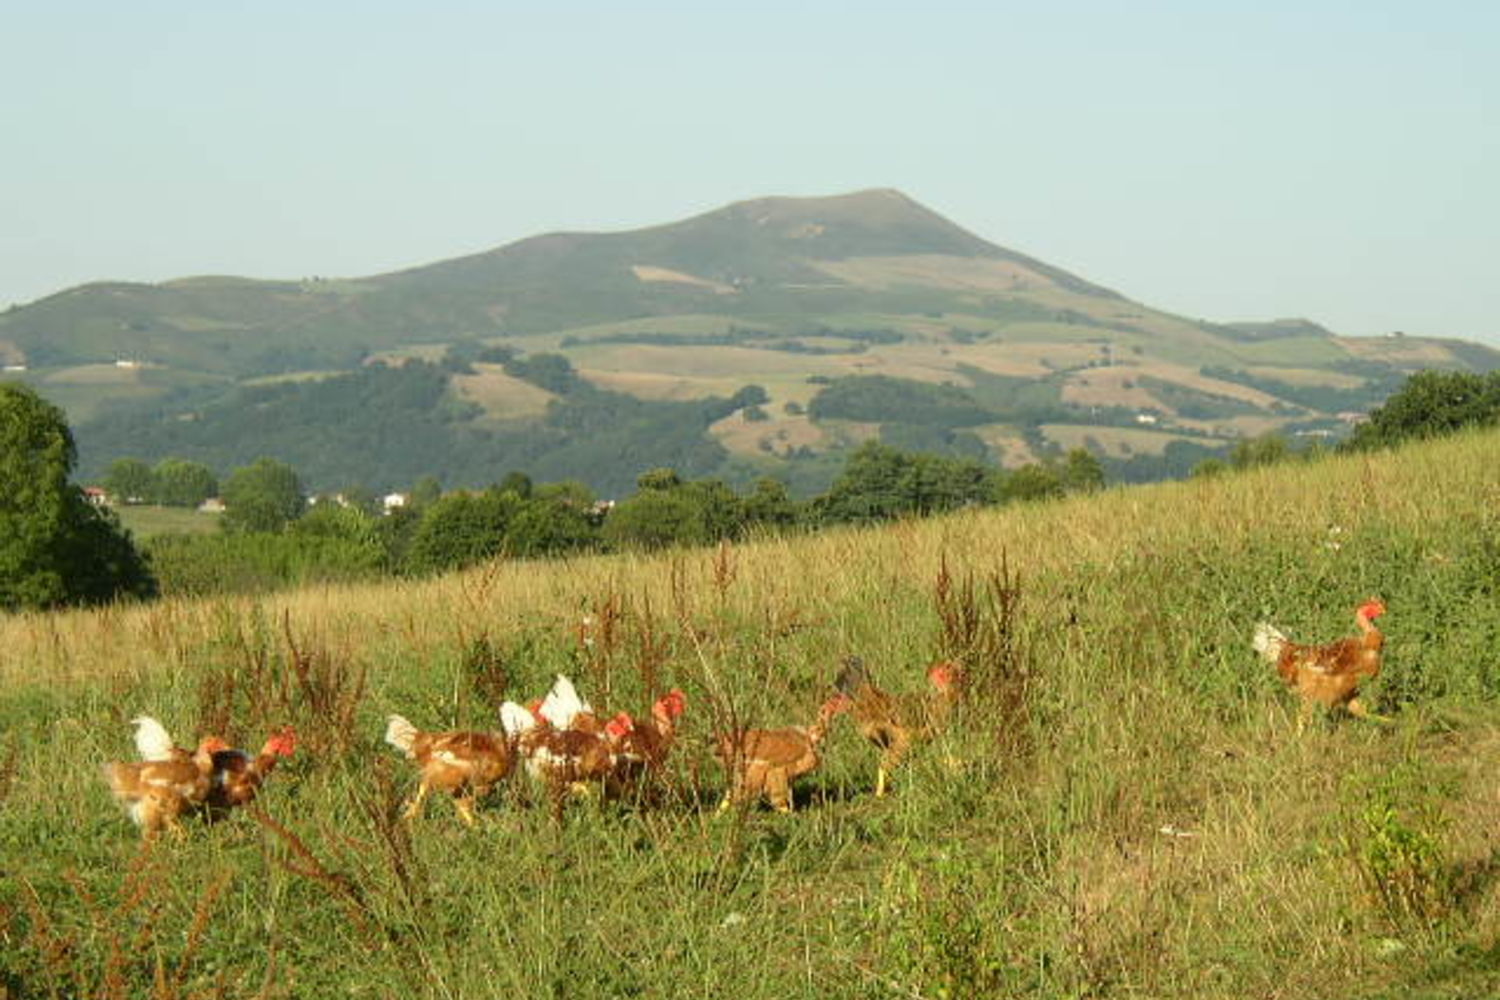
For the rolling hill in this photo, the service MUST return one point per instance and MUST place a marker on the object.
(663, 327)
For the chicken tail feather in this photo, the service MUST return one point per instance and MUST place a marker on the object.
(1268, 642)
(515, 719)
(401, 734)
(563, 703)
(151, 739)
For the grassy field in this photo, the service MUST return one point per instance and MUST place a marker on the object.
(146, 520)
(1123, 809)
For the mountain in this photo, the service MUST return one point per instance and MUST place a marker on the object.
(809, 299)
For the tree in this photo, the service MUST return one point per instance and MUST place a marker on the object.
(1267, 449)
(658, 479)
(426, 491)
(462, 529)
(872, 486)
(770, 504)
(518, 483)
(56, 548)
(549, 526)
(1081, 472)
(1431, 403)
(263, 496)
(1037, 481)
(655, 518)
(130, 480)
(180, 483)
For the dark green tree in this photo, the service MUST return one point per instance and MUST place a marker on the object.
(769, 505)
(181, 483)
(462, 529)
(1081, 471)
(129, 480)
(653, 519)
(1431, 403)
(873, 486)
(1038, 481)
(55, 547)
(549, 527)
(518, 483)
(263, 496)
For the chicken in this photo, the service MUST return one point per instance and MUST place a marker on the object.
(1330, 674)
(765, 762)
(237, 776)
(167, 782)
(642, 746)
(562, 759)
(895, 722)
(464, 764)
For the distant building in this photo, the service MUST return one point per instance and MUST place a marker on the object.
(1148, 419)
(213, 505)
(15, 368)
(96, 495)
(391, 501)
(127, 363)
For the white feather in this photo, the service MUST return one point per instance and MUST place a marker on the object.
(151, 739)
(400, 734)
(563, 703)
(515, 719)
(1268, 641)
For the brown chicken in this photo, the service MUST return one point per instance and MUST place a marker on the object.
(765, 762)
(894, 723)
(1330, 674)
(642, 746)
(466, 765)
(237, 776)
(167, 783)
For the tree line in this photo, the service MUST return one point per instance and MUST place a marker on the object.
(273, 537)
(57, 549)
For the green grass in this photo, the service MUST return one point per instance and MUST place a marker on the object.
(146, 520)
(1124, 809)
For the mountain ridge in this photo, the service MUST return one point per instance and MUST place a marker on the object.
(790, 295)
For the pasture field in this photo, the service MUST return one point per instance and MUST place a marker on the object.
(1123, 808)
(147, 520)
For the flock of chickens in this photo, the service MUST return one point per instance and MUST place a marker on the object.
(568, 748)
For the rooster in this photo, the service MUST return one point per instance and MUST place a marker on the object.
(1329, 674)
(765, 762)
(464, 764)
(237, 776)
(893, 723)
(167, 781)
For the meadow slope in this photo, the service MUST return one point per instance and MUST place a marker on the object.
(1122, 809)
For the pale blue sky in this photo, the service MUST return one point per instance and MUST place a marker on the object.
(1335, 160)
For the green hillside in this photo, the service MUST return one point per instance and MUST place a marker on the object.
(772, 293)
